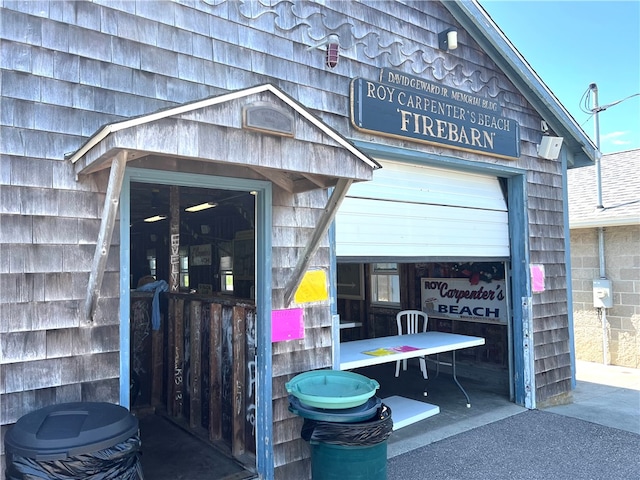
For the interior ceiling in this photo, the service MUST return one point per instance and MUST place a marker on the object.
(148, 200)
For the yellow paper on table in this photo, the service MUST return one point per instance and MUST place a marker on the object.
(313, 287)
(379, 352)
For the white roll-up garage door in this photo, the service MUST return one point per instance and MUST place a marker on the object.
(414, 212)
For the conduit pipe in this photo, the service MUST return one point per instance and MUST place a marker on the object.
(602, 312)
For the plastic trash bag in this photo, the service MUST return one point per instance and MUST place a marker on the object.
(121, 462)
(360, 434)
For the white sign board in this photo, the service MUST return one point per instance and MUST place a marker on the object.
(458, 299)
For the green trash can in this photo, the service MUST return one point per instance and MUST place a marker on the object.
(339, 462)
(357, 451)
(346, 426)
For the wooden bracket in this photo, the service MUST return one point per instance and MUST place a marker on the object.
(337, 196)
(109, 213)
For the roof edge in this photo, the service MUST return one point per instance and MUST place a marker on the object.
(102, 133)
(626, 221)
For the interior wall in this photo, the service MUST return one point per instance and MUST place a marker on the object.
(378, 320)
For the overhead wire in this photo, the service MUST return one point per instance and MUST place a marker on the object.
(585, 122)
(585, 102)
(604, 107)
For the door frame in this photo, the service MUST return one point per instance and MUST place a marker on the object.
(263, 221)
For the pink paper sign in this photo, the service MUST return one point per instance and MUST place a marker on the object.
(537, 278)
(405, 348)
(287, 324)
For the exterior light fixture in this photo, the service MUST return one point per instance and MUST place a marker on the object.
(202, 206)
(448, 40)
(155, 218)
(333, 51)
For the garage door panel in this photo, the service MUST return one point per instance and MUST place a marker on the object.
(378, 228)
(418, 184)
(416, 211)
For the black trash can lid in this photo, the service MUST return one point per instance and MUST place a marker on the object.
(366, 411)
(60, 431)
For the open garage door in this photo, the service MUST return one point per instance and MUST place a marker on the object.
(413, 212)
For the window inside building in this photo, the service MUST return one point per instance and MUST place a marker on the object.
(385, 284)
(151, 258)
(226, 274)
(184, 267)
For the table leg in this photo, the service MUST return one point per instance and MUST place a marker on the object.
(455, 378)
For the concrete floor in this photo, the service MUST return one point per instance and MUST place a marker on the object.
(488, 393)
(169, 452)
(604, 395)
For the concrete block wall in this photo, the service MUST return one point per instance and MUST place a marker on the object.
(620, 336)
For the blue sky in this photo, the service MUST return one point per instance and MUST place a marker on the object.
(571, 44)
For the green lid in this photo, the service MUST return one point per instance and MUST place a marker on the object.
(332, 388)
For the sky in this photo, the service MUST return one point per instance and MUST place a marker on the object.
(571, 44)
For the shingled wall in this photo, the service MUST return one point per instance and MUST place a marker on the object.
(70, 67)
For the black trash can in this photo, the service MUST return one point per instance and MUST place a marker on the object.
(88, 440)
(348, 443)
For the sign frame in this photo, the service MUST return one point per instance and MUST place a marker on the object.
(458, 299)
(431, 116)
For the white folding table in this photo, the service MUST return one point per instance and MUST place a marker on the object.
(400, 347)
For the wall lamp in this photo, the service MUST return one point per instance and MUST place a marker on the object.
(332, 55)
(448, 40)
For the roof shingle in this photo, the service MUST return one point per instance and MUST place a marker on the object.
(620, 179)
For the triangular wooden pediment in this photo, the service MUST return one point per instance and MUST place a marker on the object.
(260, 128)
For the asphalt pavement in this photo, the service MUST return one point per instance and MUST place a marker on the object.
(597, 436)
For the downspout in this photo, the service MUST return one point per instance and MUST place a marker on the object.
(602, 312)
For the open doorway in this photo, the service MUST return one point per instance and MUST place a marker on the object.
(193, 324)
(211, 222)
(461, 297)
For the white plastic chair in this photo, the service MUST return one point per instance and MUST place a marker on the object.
(412, 321)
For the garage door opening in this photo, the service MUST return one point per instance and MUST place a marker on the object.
(460, 297)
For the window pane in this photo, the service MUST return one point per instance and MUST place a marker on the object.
(151, 258)
(385, 288)
(394, 286)
(184, 268)
(227, 281)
